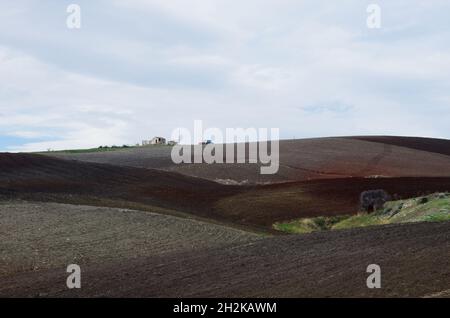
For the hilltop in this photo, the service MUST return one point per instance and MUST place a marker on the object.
(301, 160)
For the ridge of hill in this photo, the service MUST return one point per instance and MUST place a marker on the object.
(301, 160)
(257, 207)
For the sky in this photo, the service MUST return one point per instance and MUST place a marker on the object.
(137, 69)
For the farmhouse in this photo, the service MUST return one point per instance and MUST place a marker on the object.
(154, 141)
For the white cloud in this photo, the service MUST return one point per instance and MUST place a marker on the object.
(141, 68)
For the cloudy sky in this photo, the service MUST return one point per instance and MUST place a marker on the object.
(139, 68)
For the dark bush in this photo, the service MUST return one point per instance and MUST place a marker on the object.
(373, 200)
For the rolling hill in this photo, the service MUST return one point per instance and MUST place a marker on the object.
(254, 207)
(414, 260)
(142, 226)
(301, 160)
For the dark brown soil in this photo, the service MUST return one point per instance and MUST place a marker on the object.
(414, 261)
(35, 176)
(265, 205)
(40, 178)
(128, 254)
(435, 145)
(302, 160)
(37, 236)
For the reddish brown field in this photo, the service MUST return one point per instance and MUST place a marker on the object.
(265, 205)
(136, 253)
(22, 174)
(301, 160)
(435, 145)
(257, 207)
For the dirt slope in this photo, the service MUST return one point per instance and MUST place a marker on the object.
(126, 253)
(435, 145)
(300, 160)
(41, 178)
(265, 205)
(414, 261)
(37, 236)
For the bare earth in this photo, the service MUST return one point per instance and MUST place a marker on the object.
(139, 225)
(415, 262)
(255, 208)
(302, 160)
(37, 236)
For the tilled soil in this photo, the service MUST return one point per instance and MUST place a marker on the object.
(302, 160)
(265, 205)
(40, 178)
(256, 208)
(37, 236)
(414, 261)
(132, 253)
(435, 145)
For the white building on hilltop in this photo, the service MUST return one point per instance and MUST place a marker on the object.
(154, 141)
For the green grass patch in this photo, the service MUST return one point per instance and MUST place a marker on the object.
(359, 221)
(438, 217)
(431, 208)
(99, 149)
(308, 225)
